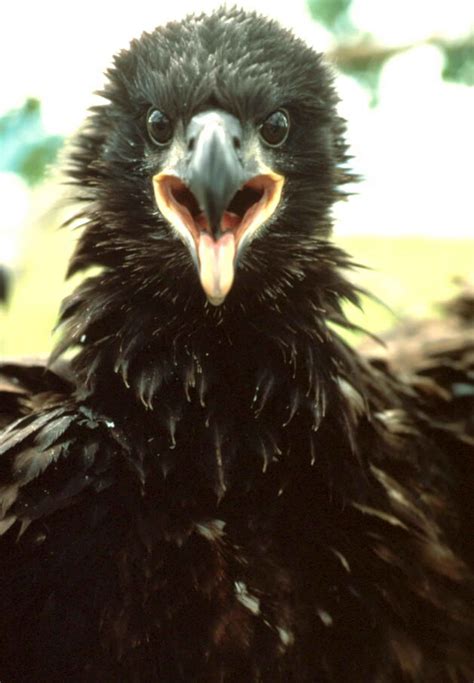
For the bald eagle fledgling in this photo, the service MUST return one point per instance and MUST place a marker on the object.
(218, 488)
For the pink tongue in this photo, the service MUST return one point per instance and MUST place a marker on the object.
(216, 265)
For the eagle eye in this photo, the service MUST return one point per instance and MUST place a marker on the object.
(274, 130)
(159, 127)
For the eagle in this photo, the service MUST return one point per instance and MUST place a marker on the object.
(207, 483)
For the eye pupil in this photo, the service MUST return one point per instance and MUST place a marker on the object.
(274, 130)
(159, 127)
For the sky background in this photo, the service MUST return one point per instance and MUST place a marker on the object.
(415, 149)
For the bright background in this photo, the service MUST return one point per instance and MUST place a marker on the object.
(405, 77)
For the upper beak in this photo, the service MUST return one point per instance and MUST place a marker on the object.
(216, 203)
(215, 172)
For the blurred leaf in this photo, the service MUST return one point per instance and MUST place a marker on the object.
(459, 65)
(332, 13)
(26, 149)
(38, 158)
(363, 59)
(368, 75)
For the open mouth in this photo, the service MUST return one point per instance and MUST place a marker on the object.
(250, 207)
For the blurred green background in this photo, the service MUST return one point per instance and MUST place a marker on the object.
(405, 74)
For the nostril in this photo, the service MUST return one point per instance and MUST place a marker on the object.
(191, 144)
(236, 141)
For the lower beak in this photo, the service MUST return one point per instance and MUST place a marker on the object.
(216, 205)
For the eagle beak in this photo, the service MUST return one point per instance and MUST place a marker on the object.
(217, 203)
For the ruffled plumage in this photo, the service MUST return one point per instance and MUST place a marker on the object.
(231, 493)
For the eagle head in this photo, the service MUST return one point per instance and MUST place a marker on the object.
(210, 171)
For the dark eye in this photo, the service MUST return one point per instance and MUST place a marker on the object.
(274, 130)
(159, 127)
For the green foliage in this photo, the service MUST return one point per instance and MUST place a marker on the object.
(365, 58)
(26, 149)
(39, 158)
(367, 73)
(459, 64)
(332, 13)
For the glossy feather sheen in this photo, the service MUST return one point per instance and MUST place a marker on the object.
(232, 493)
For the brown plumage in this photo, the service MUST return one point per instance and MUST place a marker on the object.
(217, 487)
